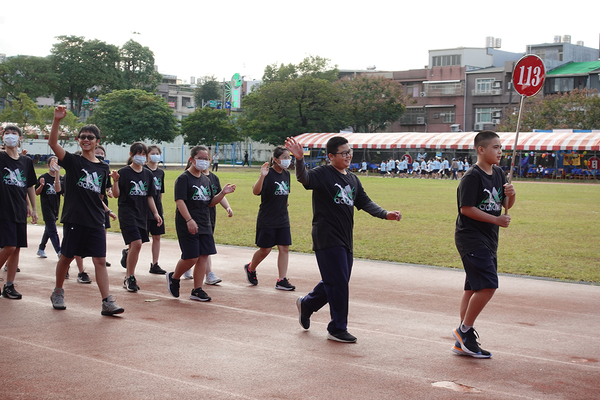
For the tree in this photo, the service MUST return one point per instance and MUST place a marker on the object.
(137, 66)
(280, 109)
(32, 76)
(208, 126)
(208, 89)
(84, 69)
(23, 112)
(315, 66)
(373, 101)
(127, 116)
(578, 109)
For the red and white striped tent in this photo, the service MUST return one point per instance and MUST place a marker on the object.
(558, 139)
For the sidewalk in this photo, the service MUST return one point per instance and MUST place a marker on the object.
(247, 343)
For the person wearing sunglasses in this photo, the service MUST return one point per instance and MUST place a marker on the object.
(336, 192)
(83, 211)
(16, 186)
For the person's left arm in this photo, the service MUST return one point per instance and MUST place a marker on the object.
(33, 210)
(229, 188)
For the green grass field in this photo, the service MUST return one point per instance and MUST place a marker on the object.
(554, 233)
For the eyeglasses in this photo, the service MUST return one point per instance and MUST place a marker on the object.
(88, 137)
(345, 153)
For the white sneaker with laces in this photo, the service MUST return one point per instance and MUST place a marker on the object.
(188, 274)
(212, 279)
(41, 253)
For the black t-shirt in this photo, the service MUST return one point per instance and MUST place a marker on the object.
(134, 190)
(49, 198)
(334, 197)
(158, 177)
(17, 176)
(85, 185)
(196, 194)
(273, 211)
(215, 188)
(486, 192)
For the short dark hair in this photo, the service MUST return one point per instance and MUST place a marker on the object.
(13, 128)
(334, 143)
(483, 138)
(91, 128)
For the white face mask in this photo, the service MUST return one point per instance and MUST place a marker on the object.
(11, 140)
(202, 165)
(139, 160)
(155, 158)
(285, 163)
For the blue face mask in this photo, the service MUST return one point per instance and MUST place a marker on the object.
(139, 160)
(11, 140)
(155, 158)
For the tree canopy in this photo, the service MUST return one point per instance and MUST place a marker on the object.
(137, 66)
(373, 102)
(208, 126)
(24, 74)
(578, 109)
(84, 69)
(315, 66)
(127, 116)
(209, 88)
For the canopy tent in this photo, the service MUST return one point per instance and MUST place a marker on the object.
(558, 139)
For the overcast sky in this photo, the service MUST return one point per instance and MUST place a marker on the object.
(197, 38)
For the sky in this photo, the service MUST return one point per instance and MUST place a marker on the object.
(200, 38)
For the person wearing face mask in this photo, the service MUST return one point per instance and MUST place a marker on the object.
(273, 222)
(156, 230)
(215, 187)
(193, 197)
(17, 184)
(134, 187)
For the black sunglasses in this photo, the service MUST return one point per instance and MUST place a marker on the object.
(88, 137)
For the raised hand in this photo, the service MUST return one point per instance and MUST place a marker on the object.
(264, 169)
(294, 147)
(60, 112)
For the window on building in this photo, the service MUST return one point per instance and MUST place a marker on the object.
(449, 117)
(411, 89)
(445, 61)
(413, 116)
(563, 84)
(186, 101)
(484, 85)
(483, 115)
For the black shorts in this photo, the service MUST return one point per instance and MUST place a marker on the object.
(481, 269)
(83, 241)
(133, 233)
(13, 234)
(193, 246)
(267, 238)
(156, 230)
(106, 221)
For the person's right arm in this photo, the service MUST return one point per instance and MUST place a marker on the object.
(59, 113)
(298, 152)
(257, 188)
(478, 215)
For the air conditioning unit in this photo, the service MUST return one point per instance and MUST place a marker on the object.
(420, 120)
(455, 128)
(479, 126)
(497, 85)
(496, 121)
(422, 94)
(497, 114)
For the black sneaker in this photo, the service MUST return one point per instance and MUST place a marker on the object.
(155, 269)
(303, 314)
(283, 284)
(469, 344)
(10, 292)
(173, 285)
(124, 258)
(131, 284)
(343, 337)
(200, 295)
(108, 264)
(83, 277)
(250, 275)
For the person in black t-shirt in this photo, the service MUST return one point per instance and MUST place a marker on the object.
(273, 222)
(134, 187)
(336, 191)
(16, 186)
(100, 153)
(158, 175)
(192, 222)
(482, 192)
(49, 188)
(83, 211)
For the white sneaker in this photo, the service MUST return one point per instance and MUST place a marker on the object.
(188, 274)
(212, 279)
(41, 253)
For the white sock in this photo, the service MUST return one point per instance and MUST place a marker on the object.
(465, 328)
